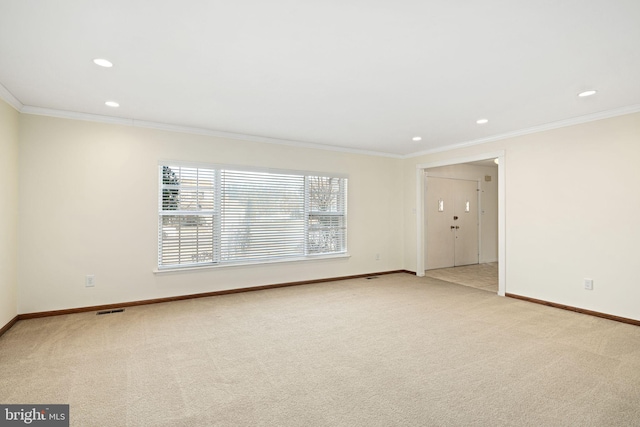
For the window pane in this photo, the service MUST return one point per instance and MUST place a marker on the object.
(326, 234)
(262, 216)
(188, 189)
(325, 194)
(186, 239)
(327, 215)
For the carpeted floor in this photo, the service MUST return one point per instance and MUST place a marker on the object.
(399, 350)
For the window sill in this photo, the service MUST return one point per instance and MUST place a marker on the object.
(250, 263)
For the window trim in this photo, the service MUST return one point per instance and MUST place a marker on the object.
(217, 212)
(199, 267)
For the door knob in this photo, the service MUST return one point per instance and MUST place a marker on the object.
(452, 227)
(457, 227)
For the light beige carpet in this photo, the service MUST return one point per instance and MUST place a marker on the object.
(395, 351)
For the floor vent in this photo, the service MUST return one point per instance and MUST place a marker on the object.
(117, 310)
(372, 277)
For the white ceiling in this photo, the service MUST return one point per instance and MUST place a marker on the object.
(362, 75)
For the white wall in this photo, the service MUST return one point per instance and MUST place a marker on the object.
(9, 212)
(488, 202)
(88, 199)
(571, 201)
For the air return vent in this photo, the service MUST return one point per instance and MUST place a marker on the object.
(117, 310)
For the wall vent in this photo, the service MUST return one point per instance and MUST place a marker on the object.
(117, 310)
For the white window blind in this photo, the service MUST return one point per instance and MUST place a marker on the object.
(226, 216)
(327, 208)
(187, 216)
(262, 216)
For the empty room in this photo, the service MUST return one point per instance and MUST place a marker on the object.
(319, 213)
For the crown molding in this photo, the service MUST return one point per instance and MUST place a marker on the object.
(535, 129)
(255, 138)
(10, 99)
(27, 109)
(73, 115)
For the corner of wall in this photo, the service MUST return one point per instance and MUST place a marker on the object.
(9, 119)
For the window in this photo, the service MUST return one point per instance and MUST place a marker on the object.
(326, 220)
(187, 216)
(217, 216)
(262, 216)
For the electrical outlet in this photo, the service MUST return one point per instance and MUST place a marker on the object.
(89, 281)
(588, 284)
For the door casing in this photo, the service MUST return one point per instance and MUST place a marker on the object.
(419, 210)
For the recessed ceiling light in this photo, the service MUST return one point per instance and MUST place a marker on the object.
(417, 138)
(113, 104)
(482, 121)
(587, 93)
(103, 62)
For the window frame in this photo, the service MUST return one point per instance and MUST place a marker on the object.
(183, 214)
(218, 212)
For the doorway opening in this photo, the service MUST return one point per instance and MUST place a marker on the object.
(453, 218)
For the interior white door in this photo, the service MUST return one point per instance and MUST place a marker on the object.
(466, 222)
(440, 242)
(451, 215)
